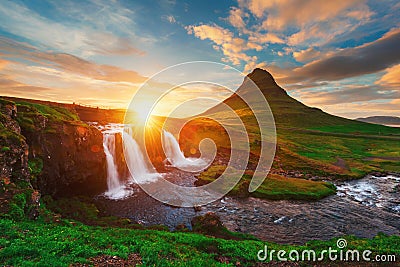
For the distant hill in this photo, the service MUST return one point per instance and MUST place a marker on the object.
(384, 120)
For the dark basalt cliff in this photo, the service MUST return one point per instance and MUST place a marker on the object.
(59, 154)
(13, 148)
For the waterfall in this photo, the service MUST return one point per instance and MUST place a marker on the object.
(174, 154)
(112, 171)
(135, 160)
(115, 189)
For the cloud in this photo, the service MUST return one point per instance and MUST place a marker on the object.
(232, 47)
(265, 38)
(214, 32)
(278, 14)
(345, 94)
(46, 83)
(391, 78)
(3, 63)
(363, 109)
(236, 18)
(96, 36)
(171, 19)
(368, 58)
(68, 63)
(299, 26)
(302, 22)
(306, 55)
(31, 73)
(252, 65)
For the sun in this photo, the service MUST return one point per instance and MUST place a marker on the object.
(143, 119)
(143, 115)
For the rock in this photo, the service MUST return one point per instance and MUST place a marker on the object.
(67, 153)
(209, 223)
(72, 164)
(197, 208)
(243, 190)
(13, 148)
(342, 164)
(15, 175)
(34, 205)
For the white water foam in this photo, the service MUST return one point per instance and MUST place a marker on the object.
(115, 189)
(373, 191)
(135, 160)
(174, 154)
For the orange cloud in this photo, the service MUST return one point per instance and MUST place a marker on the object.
(236, 18)
(391, 78)
(306, 55)
(265, 38)
(215, 33)
(356, 110)
(283, 13)
(232, 47)
(3, 63)
(69, 63)
(316, 21)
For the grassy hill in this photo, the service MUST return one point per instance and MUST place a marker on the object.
(310, 142)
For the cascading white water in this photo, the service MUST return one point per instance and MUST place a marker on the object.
(135, 160)
(174, 154)
(115, 189)
(112, 170)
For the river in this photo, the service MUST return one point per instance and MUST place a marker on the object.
(361, 207)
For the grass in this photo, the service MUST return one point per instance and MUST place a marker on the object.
(35, 166)
(39, 243)
(33, 117)
(8, 137)
(278, 187)
(359, 128)
(275, 186)
(361, 154)
(53, 113)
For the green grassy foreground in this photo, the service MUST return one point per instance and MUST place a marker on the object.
(39, 243)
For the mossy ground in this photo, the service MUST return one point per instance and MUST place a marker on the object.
(275, 186)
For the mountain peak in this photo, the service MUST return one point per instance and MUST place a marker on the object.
(261, 76)
(265, 82)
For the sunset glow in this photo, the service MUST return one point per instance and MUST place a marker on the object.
(340, 56)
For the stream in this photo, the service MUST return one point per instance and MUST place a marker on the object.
(361, 207)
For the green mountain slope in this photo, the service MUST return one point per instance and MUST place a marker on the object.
(311, 143)
(289, 113)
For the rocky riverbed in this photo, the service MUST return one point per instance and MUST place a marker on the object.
(362, 207)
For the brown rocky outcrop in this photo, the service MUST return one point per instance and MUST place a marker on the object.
(65, 155)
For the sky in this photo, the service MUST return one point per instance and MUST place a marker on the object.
(341, 56)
